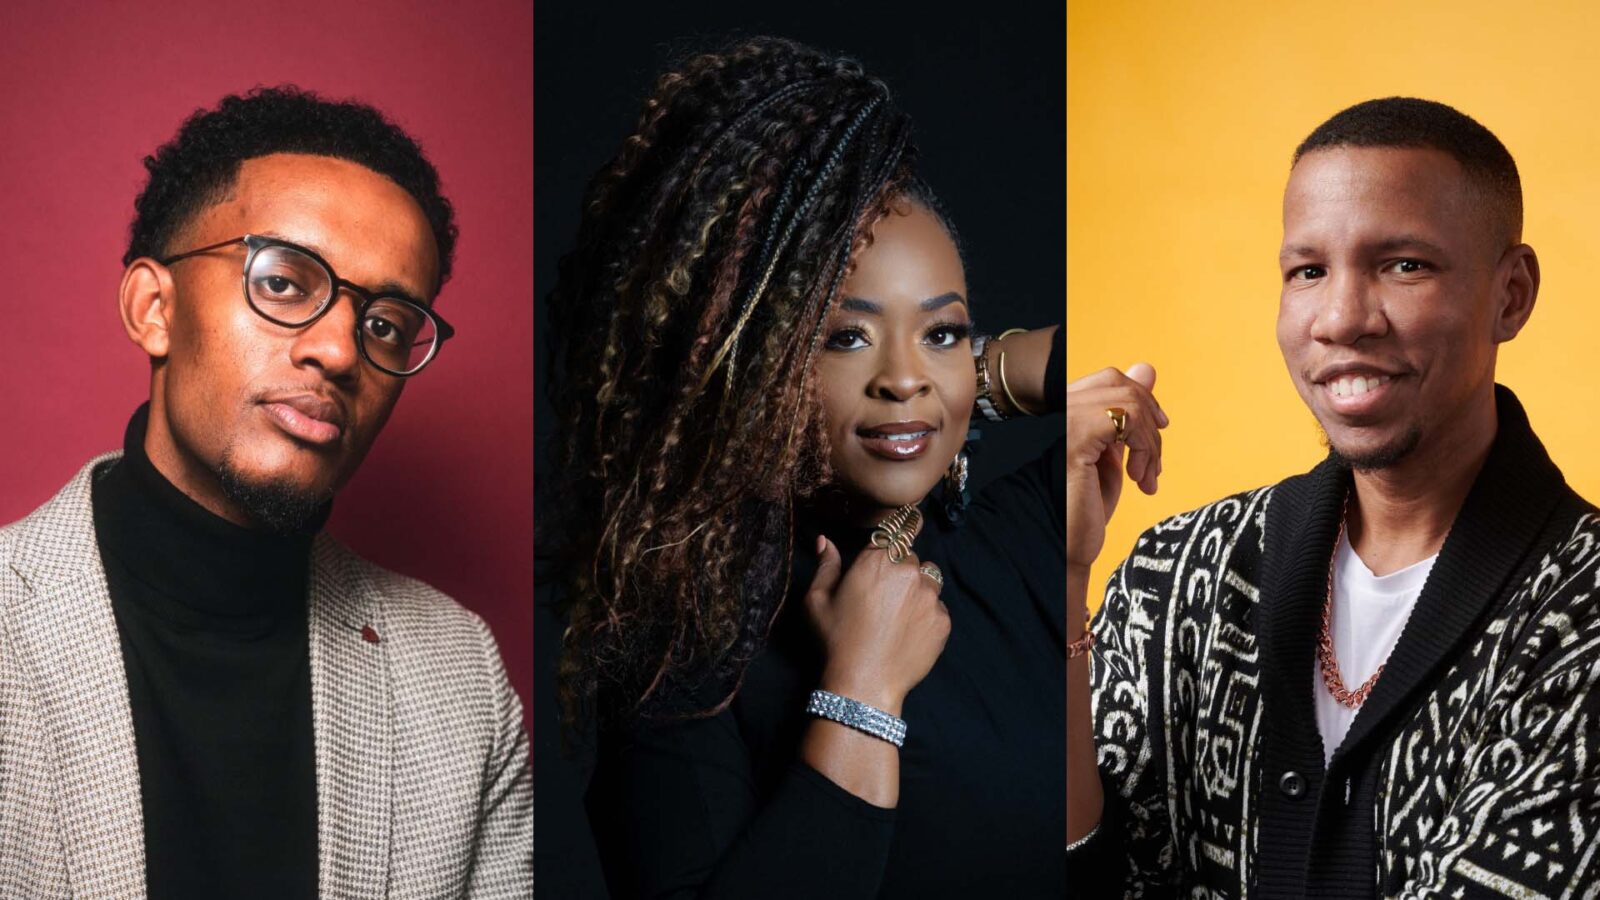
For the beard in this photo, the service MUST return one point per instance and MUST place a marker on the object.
(275, 506)
(1381, 457)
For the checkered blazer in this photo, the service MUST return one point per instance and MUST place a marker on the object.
(424, 779)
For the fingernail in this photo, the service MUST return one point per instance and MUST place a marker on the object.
(822, 542)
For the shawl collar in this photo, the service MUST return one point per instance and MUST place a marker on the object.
(1495, 535)
(68, 646)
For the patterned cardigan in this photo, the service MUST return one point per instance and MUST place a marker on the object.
(1473, 769)
(424, 782)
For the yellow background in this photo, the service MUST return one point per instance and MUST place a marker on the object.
(1181, 120)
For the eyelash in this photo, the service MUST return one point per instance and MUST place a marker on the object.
(960, 331)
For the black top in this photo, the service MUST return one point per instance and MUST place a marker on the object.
(215, 644)
(723, 807)
(1204, 681)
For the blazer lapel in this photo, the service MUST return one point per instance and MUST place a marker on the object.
(352, 714)
(66, 642)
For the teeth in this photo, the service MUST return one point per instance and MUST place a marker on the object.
(908, 436)
(1356, 385)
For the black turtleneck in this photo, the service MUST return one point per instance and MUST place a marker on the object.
(215, 644)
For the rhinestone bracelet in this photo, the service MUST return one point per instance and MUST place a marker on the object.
(857, 715)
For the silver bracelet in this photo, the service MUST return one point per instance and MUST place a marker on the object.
(857, 715)
(1085, 839)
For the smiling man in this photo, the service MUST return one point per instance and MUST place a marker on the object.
(201, 694)
(1376, 678)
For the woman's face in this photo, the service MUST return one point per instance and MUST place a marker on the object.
(896, 374)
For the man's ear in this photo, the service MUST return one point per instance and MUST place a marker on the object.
(1519, 288)
(145, 300)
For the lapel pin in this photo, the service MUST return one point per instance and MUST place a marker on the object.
(368, 634)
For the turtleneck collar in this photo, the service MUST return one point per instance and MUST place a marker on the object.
(213, 571)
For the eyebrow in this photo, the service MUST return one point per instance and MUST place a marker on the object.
(387, 288)
(1387, 245)
(863, 305)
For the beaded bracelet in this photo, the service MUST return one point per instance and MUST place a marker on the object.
(857, 715)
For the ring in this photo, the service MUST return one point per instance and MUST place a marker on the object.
(1119, 418)
(932, 571)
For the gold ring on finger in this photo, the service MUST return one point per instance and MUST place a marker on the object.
(932, 571)
(1119, 419)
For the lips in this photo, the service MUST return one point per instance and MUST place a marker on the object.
(306, 417)
(1356, 391)
(897, 441)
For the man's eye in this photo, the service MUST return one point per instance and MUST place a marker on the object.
(383, 330)
(277, 286)
(1410, 266)
(1307, 273)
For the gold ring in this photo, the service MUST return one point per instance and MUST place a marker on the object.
(1119, 418)
(932, 571)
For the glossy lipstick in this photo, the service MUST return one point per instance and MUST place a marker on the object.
(897, 441)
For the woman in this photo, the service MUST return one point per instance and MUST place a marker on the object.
(764, 365)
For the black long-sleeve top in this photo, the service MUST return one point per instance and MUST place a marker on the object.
(212, 619)
(723, 807)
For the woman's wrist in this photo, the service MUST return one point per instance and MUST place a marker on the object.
(864, 690)
(1012, 368)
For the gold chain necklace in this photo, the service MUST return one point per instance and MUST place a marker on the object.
(1330, 663)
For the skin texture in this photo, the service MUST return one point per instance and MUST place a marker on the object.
(1393, 263)
(216, 364)
(899, 363)
(1388, 264)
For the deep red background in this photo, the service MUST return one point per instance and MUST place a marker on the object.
(87, 89)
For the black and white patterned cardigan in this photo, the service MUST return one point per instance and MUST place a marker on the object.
(1473, 769)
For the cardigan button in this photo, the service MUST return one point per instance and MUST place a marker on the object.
(1293, 785)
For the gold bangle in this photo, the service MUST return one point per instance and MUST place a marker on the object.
(1006, 389)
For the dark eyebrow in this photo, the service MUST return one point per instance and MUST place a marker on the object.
(862, 305)
(396, 289)
(1387, 245)
(1405, 242)
(388, 288)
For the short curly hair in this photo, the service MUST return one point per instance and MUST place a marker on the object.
(200, 165)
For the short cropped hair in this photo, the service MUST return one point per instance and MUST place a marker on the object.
(1414, 123)
(200, 165)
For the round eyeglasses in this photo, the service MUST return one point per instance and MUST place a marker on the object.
(288, 285)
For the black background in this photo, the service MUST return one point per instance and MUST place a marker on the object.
(986, 89)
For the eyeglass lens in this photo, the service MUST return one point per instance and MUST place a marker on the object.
(291, 288)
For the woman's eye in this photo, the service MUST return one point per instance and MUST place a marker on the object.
(948, 335)
(847, 339)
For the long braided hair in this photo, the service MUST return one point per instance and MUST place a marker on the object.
(684, 328)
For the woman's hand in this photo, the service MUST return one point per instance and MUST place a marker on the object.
(882, 625)
(1095, 458)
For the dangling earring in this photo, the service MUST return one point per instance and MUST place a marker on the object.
(955, 497)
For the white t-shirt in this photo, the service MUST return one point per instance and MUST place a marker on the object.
(1368, 614)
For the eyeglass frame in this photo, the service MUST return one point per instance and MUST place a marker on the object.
(256, 243)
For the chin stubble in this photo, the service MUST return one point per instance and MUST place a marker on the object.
(273, 505)
(1378, 458)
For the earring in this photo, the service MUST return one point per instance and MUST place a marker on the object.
(955, 498)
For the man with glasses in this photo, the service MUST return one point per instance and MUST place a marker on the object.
(201, 694)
